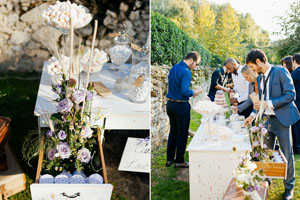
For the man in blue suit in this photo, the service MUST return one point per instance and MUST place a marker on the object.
(277, 86)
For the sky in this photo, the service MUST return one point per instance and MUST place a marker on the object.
(262, 11)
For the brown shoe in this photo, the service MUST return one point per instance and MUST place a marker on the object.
(182, 165)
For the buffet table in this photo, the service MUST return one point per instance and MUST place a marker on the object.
(211, 165)
(119, 112)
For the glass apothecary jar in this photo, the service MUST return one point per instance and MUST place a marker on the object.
(121, 51)
(140, 62)
(138, 90)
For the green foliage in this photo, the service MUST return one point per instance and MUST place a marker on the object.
(169, 44)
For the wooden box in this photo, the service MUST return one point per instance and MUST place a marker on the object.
(72, 191)
(234, 193)
(272, 169)
(12, 181)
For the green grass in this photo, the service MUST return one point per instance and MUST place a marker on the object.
(165, 186)
(18, 104)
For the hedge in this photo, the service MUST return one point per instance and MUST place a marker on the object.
(170, 44)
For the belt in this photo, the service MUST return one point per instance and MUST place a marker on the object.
(176, 100)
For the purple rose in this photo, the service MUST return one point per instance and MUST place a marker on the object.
(86, 132)
(89, 96)
(56, 88)
(255, 129)
(49, 133)
(257, 155)
(63, 150)
(255, 143)
(64, 105)
(84, 155)
(260, 125)
(78, 96)
(264, 131)
(51, 154)
(250, 189)
(62, 135)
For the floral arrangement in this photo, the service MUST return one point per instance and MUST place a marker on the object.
(70, 143)
(247, 177)
(257, 134)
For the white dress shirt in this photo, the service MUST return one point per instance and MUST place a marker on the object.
(270, 109)
(241, 86)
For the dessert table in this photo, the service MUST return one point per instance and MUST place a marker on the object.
(119, 112)
(211, 165)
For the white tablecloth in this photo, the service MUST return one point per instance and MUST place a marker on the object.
(211, 166)
(120, 113)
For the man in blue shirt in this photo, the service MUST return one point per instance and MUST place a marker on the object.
(178, 108)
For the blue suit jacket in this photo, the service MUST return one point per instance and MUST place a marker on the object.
(282, 94)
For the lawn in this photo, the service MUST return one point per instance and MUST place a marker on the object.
(18, 103)
(165, 186)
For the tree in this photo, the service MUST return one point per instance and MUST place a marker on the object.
(205, 25)
(182, 15)
(227, 33)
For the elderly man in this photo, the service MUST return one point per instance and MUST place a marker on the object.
(276, 85)
(178, 108)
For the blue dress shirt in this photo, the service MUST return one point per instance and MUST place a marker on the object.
(180, 77)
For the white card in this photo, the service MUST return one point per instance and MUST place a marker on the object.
(136, 156)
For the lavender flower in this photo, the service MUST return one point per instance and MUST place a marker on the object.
(264, 131)
(250, 189)
(62, 135)
(63, 150)
(257, 155)
(64, 105)
(86, 132)
(84, 155)
(260, 125)
(256, 187)
(255, 129)
(49, 133)
(56, 88)
(78, 96)
(51, 154)
(255, 143)
(89, 96)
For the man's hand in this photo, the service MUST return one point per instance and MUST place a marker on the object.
(256, 105)
(249, 120)
(233, 100)
(227, 90)
(197, 91)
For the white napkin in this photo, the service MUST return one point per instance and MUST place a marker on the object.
(95, 179)
(46, 179)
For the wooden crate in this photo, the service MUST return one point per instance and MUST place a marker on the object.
(272, 169)
(12, 181)
(70, 191)
(234, 193)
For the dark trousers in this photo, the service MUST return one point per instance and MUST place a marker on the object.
(247, 111)
(283, 133)
(296, 137)
(179, 115)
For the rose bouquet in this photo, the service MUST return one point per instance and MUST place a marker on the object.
(257, 135)
(247, 177)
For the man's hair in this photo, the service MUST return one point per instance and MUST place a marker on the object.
(256, 54)
(194, 55)
(296, 57)
(288, 61)
(229, 61)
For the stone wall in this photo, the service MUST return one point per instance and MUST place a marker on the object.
(23, 31)
(160, 125)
